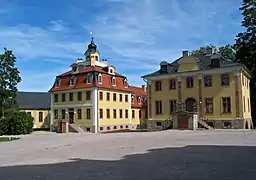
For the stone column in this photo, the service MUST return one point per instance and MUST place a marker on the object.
(200, 94)
(236, 75)
(179, 92)
(149, 86)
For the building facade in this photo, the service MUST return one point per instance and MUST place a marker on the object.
(93, 97)
(213, 90)
(37, 104)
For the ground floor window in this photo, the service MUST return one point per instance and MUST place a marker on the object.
(227, 124)
(158, 123)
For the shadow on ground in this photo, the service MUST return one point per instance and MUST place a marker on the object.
(190, 162)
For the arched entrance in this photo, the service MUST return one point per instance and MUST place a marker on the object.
(191, 105)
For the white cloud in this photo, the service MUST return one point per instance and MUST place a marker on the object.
(134, 35)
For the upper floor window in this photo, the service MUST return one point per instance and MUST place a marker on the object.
(158, 86)
(70, 96)
(100, 79)
(63, 97)
(101, 95)
(172, 84)
(57, 82)
(72, 81)
(79, 96)
(120, 97)
(243, 80)
(96, 58)
(113, 81)
(125, 83)
(207, 81)
(226, 104)
(139, 100)
(190, 82)
(114, 96)
(108, 96)
(225, 79)
(56, 98)
(126, 98)
(88, 95)
(132, 99)
(89, 78)
(158, 107)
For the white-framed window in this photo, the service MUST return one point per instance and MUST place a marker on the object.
(89, 78)
(113, 81)
(132, 99)
(57, 82)
(72, 81)
(139, 100)
(100, 79)
(125, 83)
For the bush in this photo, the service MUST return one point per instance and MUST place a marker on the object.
(16, 123)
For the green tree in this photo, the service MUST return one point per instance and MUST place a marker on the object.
(227, 51)
(246, 44)
(9, 78)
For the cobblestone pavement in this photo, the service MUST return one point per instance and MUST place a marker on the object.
(174, 155)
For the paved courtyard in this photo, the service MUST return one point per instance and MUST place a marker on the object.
(205, 155)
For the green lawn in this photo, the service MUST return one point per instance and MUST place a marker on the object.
(6, 139)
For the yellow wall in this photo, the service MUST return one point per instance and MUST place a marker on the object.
(82, 121)
(104, 104)
(245, 97)
(137, 119)
(216, 91)
(75, 100)
(46, 118)
(188, 63)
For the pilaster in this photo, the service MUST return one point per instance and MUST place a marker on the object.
(236, 75)
(200, 76)
(149, 87)
(51, 113)
(95, 110)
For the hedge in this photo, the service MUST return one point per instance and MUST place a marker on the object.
(16, 122)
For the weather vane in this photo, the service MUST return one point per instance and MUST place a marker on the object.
(91, 35)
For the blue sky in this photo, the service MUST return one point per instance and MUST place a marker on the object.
(134, 35)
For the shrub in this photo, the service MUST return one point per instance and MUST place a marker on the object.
(16, 123)
(3, 126)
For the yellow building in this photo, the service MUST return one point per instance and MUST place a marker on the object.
(93, 97)
(199, 91)
(38, 105)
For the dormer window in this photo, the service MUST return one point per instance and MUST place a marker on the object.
(125, 83)
(74, 68)
(132, 99)
(89, 79)
(100, 79)
(111, 71)
(113, 81)
(139, 100)
(57, 82)
(72, 81)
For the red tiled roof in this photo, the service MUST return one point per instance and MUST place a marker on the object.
(106, 83)
(139, 92)
(81, 80)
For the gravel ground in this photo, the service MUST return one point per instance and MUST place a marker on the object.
(199, 155)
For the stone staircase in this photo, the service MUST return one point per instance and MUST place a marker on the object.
(204, 124)
(75, 128)
(167, 124)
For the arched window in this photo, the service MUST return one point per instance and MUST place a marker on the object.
(72, 81)
(125, 83)
(89, 78)
(139, 100)
(100, 79)
(57, 82)
(132, 99)
(113, 81)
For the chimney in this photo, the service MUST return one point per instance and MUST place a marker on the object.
(144, 88)
(185, 53)
(209, 51)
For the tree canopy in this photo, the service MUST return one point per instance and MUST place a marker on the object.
(246, 45)
(226, 51)
(9, 78)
